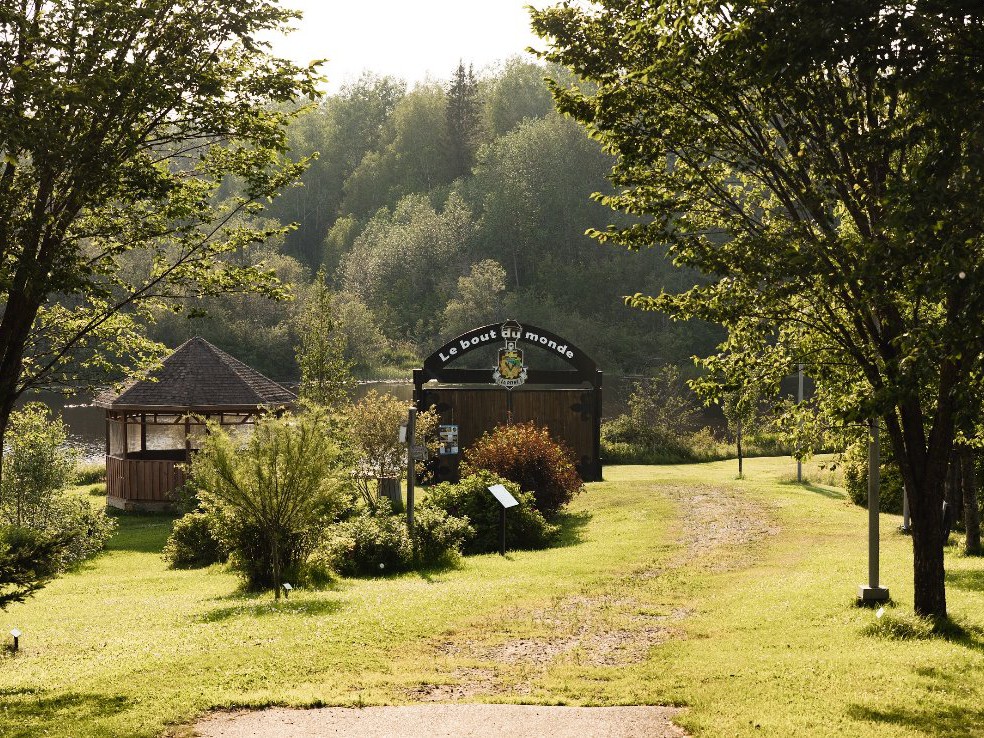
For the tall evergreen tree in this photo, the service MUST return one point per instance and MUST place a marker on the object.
(464, 120)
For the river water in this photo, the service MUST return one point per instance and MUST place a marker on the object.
(87, 424)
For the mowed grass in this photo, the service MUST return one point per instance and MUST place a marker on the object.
(760, 638)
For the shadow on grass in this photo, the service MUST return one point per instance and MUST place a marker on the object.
(971, 581)
(954, 721)
(833, 494)
(926, 717)
(571, 526)
(32, 714)
(258, 609)
(143, 533)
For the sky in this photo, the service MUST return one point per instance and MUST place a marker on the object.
(415, 40)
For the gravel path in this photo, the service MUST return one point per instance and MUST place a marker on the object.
(712, 520)
(436, 721)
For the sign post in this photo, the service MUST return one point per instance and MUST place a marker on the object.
(411, 466)
(506, 500)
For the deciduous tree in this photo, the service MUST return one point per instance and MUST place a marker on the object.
(118, 123)
(819, 162)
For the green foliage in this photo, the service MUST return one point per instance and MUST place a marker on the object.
(526, 453)
(890, 490)
(29, 559)
(660, 425)
(373, 425)
(470, 499)
(272, 494)
(89, 472)
(478, 300)
(86, 530)
(121, 124)
(463, 120)
(437, 536)
(824, 176)
(372, 545)
(624, 442)
(192, 544)
(402, 264)
(326, 375)
(37, 464)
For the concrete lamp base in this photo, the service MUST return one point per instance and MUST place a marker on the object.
(869, 595)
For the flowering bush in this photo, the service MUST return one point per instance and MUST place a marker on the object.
(526, 454)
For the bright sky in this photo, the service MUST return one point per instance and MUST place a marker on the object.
(411, 39)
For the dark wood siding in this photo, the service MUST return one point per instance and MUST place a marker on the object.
(143, 480)
(568, 413)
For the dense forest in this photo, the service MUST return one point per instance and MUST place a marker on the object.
(431, 210)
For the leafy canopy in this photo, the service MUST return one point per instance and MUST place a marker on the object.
(817, 161)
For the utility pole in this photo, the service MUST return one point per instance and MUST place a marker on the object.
(799, 462)
(873, 592)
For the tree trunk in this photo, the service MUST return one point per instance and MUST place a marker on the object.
(275, 560)
(972, 518)
(924, 469)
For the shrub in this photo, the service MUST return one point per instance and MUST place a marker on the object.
(28, 561)
(526, 454)
(438, 536)
(36, 466)
(890, 488)
(192, 544)
(526, 528)
(270, 497)
(85, 528)
(380, 544)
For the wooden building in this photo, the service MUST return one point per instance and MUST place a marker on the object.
(154, 425)
(555, 384)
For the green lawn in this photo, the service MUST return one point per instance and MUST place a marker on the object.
(674, 585)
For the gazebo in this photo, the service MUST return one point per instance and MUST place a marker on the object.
(154, 425)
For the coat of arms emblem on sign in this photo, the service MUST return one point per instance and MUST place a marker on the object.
(510, 371)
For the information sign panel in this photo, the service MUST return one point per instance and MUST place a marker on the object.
(502, 495)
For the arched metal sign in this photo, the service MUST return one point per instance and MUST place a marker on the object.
(583, 368)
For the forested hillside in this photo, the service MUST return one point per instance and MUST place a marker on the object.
(432, 210)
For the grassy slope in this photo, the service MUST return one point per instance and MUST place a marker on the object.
(772, 644)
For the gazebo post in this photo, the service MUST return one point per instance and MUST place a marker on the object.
(126, 443)
(187, 438)
(143, 432)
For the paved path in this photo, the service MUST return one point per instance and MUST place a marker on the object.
(438, 721)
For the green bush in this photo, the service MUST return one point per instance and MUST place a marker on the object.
(526, 454)
(376, 544)
(85, 528)
(438, 536)
(271, 496)
(28, 560)
(890, 488)
(623, 441)
(526, 528)
(37, 464)
(192, 544)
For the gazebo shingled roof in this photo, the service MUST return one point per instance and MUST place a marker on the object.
(198, 375)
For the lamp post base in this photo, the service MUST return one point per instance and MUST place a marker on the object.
(870, 595)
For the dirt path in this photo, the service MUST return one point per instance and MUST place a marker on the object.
(437, 721)
(713, 521)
